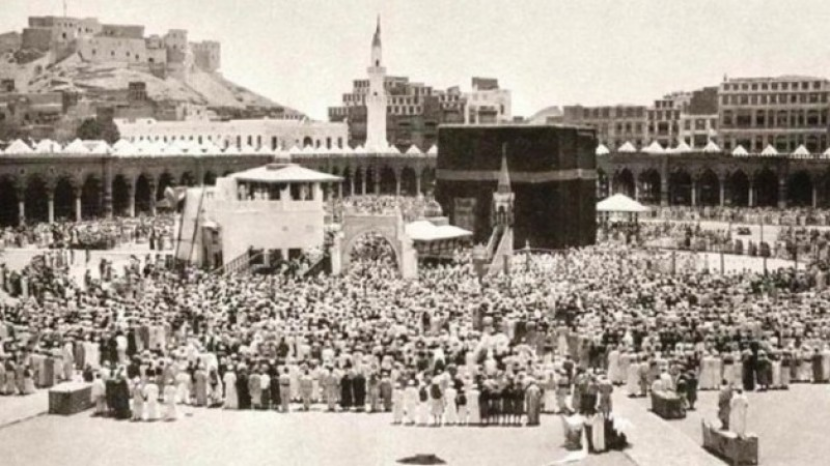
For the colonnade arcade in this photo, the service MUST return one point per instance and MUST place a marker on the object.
(762, 186)
(47, 189)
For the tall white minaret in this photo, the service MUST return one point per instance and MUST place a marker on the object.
(376, 99)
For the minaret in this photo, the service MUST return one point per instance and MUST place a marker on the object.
(503, 197)
(376, 99)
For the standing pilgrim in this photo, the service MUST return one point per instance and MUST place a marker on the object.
(738, 406)
(231, 400)
(151, 394)
(171, 412)
(724, 404)
(533, 398)
(99, 395)
(410, 401)
(138, 400)
(397, 404)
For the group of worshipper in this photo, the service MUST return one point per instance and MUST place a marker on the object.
(547, 331)
(745, 215)
(411, 207)
(94, 234)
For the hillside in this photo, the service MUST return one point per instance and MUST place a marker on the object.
(75, 74)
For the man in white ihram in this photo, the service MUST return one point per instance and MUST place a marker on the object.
(739, 406)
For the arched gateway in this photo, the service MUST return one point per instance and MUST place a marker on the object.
(389, 226)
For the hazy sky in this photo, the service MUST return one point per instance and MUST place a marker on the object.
(305, 53)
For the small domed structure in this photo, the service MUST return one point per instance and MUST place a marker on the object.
(433, 209)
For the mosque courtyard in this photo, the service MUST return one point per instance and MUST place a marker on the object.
(789, 429)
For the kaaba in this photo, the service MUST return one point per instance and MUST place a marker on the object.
(552, 171)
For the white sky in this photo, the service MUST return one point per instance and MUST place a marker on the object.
(305, 53)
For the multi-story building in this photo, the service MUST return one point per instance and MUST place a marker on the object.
(784, 112)
(486, 103)
(699, 119)
(615, 125)
(268, 134)
(664, 118)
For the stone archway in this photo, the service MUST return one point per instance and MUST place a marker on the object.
(708, 189)
(766, 188)
(64, 199)
(121, 193)
(389, 226)
(624, 183)
(680, 188)
(649, 192)
(37, 200)
(91, 197)
(388, 180)
(9, 202)
(737, 186)
(209, 179)
(143, 193)
(799, 190)
(165, 181)
(409, 182)
(187, 179)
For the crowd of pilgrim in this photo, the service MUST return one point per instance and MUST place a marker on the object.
(792, 216)
(155, 231)
(556, 335)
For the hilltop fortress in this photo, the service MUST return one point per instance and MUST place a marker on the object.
(94, 41)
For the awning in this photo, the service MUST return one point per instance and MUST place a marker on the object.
(423, 230)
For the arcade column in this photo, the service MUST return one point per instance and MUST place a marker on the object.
(107, 200)
(751, 193)
(694, 192)
(664, 191)
(815, 194)
(50, 200)
(76, 194)
(151, 184)
(363, 183)
(21, 207)
(398, 174)
(131, 200)
(721, 185)
(417, 183)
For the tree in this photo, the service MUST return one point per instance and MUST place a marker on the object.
(95, 129)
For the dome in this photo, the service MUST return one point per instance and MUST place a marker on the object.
(433, 209)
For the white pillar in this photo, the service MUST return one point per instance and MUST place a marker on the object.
(21, 212)
(51, 203)
(78, 212)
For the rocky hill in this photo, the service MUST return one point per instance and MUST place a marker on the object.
(196, 86)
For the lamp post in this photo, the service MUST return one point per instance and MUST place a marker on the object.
(480, 261)
(764, 256)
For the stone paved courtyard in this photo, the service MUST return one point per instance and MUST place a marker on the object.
(217, 437)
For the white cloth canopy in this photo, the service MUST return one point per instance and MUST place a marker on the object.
(654, 148)
(424, 230)
(627, 147)
(18, 147)
(769, 151)
(620, 203)
(711, 147)
(682, 148)
(602, 150)
(740, 151)
(801, 152)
